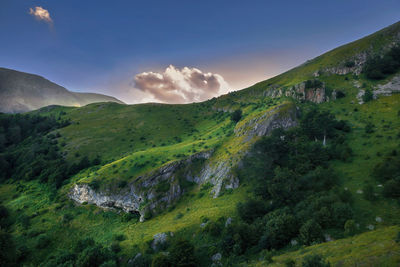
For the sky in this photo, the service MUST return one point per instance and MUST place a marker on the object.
(177, 51)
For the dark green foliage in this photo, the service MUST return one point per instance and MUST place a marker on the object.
(369, 192)
(377, 67)
(161, 260)
(313, 84)
(279, 230)
(182, 253)
(349, 64)
(7, 250)
(43, 241)
(388, 169)
(311, 232)
(369, 128)
(340, 94)
(368, 96)
(236, 115)
(289, 263)
(94, 256)
(391, 188)
(314, 261)
(350, 227)
(251, 209)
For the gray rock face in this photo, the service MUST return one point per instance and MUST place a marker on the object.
(283, 116)
(360, 96)
(159, 240)
(358, 60)
(141, 194)
(392, 87)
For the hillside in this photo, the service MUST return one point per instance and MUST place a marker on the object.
(22, 92)
(303, 163)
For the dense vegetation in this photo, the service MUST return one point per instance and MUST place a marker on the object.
(379, 67)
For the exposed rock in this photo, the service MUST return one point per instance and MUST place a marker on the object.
(202, 225)
(327, 237)
(360, 95)
(159, 240)
(392, 87)
(359, 191)
(228, 222)
(283, 116)
(142, 190)
(370, 227)
(378, 219)
(216, 257)
(342, 69)
(293, 242)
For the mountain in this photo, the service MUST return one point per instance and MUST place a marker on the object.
(22, 92)
(299, 169)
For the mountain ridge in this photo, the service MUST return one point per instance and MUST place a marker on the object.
(22, 92)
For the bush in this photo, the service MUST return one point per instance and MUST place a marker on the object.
(368, 96)
(391, 188)
(311, 232)
(369, 192)
(182, 253)
(314, 261)
(279, 230)
(251, 210)
(43, 241)
(161, 260)
(350, 227)
(236, 115)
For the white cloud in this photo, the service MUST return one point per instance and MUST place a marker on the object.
(181, 85)
(41, 14)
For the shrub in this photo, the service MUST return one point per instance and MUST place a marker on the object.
(161, 260)
(314, 261)
(251, 209)
(182, 253)
(340, 94)
(350, 227)
(349, 64)
(369, 192)
(236, 115)
(391, 188)
(43, 241)
(311, 232)
(368, 96)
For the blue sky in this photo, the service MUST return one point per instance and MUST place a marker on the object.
(100, 46)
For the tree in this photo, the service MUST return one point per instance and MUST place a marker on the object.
(279, 230)
(161, 260)
(311, 232)
(182, 253)
(236, 115)
(251, 210)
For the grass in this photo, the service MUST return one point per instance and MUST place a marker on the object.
(374, 248)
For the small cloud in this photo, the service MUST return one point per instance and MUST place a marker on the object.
(180, 86)
(41, 14)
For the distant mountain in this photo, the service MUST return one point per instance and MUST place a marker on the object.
(21, 92)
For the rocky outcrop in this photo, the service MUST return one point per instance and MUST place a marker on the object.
(392, 87)
(142, 194)
(301, 92)
(353, 65)
(283, 116)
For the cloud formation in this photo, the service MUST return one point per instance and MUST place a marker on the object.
(41, 14)
(181, 85)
